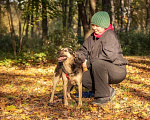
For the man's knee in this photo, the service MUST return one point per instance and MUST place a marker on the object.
(98, 64)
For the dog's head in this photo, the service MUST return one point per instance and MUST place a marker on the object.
(65, 53)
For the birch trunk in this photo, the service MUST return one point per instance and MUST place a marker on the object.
(122, 14)
(11, 27)
(113, 13)
(129, 16)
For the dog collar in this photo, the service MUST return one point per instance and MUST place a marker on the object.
(67, 76)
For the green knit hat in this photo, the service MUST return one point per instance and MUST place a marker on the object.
(101, 19)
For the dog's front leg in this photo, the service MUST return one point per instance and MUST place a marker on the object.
(65, 82)
(68, 90)
(79, 83)
(80, 93)
(55, 81)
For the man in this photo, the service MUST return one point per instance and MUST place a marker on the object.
(105, 62)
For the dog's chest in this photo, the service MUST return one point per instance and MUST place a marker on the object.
(73, 73)
(74, 78)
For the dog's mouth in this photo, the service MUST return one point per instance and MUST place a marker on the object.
(62, 58)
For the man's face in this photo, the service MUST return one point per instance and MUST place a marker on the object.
(97, 29)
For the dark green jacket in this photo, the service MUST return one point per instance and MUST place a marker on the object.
(107, 47)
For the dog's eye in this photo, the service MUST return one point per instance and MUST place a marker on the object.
(65, 50)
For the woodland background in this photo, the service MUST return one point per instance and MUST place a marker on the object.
(31, 33)
(41, 27)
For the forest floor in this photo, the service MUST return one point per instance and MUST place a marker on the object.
(24, 94)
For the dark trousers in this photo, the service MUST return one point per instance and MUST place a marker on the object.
(101, 74)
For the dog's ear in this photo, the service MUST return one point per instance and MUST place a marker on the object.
(75, 54)
(78, 60)
(58, 52)
(70, 51)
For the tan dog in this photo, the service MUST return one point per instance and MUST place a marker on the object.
(71, 73)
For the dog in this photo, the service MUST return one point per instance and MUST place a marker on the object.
(71, 73)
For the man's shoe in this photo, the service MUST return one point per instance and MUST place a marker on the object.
(100, 101)
(113, 92)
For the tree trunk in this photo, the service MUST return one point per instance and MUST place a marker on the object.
(93, 7)
(32, 26)
(113, 14)
(84, 15)
(19, 18)
(129, 15)
(106, 5)
(27, 27)
(27, 20)
(0, 16)
(11, 27)
(122, 15)
(44, 20)
(32, 20)
(79, 25)
(20, 27)
(148, 16)
(84, 19)
(70, 17)
(37, 30)
(21, 37)
(64, 15)
(98, 4)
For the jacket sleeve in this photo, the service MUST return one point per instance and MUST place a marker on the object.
(82, 53)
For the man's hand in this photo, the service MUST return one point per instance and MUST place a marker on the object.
(84, 65)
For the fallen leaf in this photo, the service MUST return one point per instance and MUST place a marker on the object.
(93, 109)
(11, 108)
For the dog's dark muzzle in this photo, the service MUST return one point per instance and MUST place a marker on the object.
(62, 55)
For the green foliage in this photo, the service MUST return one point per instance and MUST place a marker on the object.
(3, 29)
(30, 58)
(135, 43)
(6, 43)
(6, 62)
(39, 57)
(37, 50)
(25, 59)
